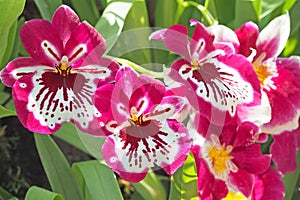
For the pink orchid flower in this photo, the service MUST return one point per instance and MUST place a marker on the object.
(138, 118)
(232, 157)
(56, 83)
(277, 76)
(213, 78)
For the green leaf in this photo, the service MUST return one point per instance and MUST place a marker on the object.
(37, 193)
(216, 8)
(4, 195)
(57, 168)
(246, 11)
(4, 112)
(10, 43)
(47, 7)
(165, 12)
(290, 182)
(87, 10)
(111, 23)
(151, 188)
(83, 141)
(9, 12)
(184, 182)
(97, 180)
(134, 44)
(17, 43)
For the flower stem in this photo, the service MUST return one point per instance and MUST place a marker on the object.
(140, 69)
(206, 14)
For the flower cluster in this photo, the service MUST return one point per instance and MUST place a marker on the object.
(219, 101)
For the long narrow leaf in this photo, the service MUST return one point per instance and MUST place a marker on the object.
(97, 180)
(57, 168)
(4, 195)
(151, 188)
(290, 182)
(37, 193)
(9, 12)
(10, 43)
(87, 10)
(184, 181)
(111, 23)
(47, 7)
(83, 141)
(4, 112)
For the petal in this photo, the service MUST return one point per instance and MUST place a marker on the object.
(175, 39)
(284, 151)
(66, 99)
(136, 155)
(65, 21)
(251, 159)
(272, 39)
(42, 42)
(259, 114)
(247, 35)
(83, 40)
(224, 34)
(242, 181)
(20, 67)
(269, 186)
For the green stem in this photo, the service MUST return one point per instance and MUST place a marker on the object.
(140, 69)
(179, 11)
(206, 14)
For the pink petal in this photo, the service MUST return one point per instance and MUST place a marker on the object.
(126, 153)
(83, 40)
(176, 39)
(284, 151)
(225, 35)
(246, 132)
(251, 159)
(247, 35)
(208, 186)
(65, 21)
(21, 93)
(158, 35)
(17, 68)
(269, 186)
(42, 42)
(272, 39)
(243, 181)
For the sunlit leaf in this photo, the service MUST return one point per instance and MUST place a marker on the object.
(216, 8)
(151, 188)
(111, 23)
(165, 12)
(57, 168)
(97, 180)
(47, 7)
(9, 12)
(184, 182)
(10, 43)
(37, 193)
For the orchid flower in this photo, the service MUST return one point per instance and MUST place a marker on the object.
(277, 76)
(230, 156)
(56, 83)
(138, 116)
(214, 78)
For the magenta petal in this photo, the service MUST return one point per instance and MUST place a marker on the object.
(42, 42)
(243, 181)
(247, 35)
(269, 186)
(176, 40)
(83, 40)
(21, 92)
(65, 21)
(18, 68)
(251, 159)
(284, 151)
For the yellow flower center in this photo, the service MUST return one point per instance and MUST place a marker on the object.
(262, 73)
(63, 68)
(219, 157)
(135, 118)
(234, 196)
